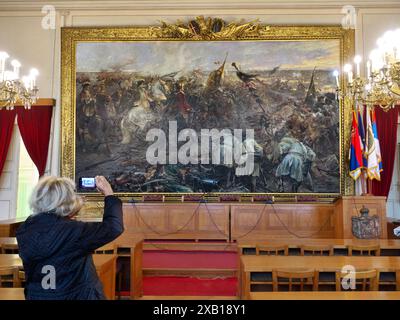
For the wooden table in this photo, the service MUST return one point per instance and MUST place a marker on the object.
(322, 295)
(12, 294)
(385, 244)
(105, 267)
(9, 227)
(250, 263)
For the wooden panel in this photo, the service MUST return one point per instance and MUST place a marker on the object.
(180, 221)
(214, 218)
(349, 206)
(136, 273)
(105, 267)
(135, 252)
(249, 221)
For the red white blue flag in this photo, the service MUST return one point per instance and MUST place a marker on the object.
(356, 157)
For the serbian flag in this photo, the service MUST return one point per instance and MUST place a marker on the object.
(373, 149)
(356, 158)
(377, 145)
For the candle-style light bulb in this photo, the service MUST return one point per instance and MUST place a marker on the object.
(347, 68)
(26, 81)
(368, 69)
(336, 75)
(16, 65)
(33, 74)
(357, 61)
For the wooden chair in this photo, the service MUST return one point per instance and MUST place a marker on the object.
(9, 276)
(106, 249)
(272, 250)
(372, 250)
(316, 250)
(370, 276)
(7, 248)
(298, 278)
(21, 277)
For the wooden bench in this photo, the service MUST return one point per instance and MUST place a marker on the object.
(250, 264)
(340, 246)
(313, 295)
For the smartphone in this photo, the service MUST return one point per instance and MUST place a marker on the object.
(87, 183)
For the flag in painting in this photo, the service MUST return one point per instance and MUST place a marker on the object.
(372, 150)
(356, 161)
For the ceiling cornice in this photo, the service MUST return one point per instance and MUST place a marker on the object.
(22, 5)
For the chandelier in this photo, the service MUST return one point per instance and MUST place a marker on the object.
(381, 84)
(14, 89)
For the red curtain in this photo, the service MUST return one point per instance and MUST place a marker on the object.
(7, 118)
(386, 123)
(34, 125)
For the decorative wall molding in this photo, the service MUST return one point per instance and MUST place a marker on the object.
(184, 4)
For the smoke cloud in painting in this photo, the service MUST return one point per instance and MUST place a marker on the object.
(283, 92)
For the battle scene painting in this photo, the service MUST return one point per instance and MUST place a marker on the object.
(283, 90)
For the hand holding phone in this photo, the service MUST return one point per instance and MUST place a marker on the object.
(103, 186)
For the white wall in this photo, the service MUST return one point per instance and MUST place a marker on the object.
(23, 37)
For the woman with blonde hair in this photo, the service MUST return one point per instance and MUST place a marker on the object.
(51, 244)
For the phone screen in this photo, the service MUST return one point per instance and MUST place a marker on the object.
(87, 183)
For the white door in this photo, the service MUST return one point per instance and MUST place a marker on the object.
(9, 179)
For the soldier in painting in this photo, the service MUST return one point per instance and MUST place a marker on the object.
(295, 166)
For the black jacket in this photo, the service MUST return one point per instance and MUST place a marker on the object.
(67, 245)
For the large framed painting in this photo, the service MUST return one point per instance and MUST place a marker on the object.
(206, 107)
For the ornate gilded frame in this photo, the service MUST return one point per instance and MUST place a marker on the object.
(199, 29)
